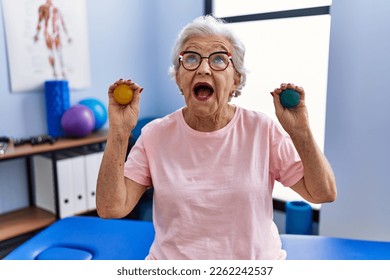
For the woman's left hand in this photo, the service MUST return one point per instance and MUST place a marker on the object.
(295, 119)
(318, 184)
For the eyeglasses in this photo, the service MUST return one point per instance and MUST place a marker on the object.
(218, 61)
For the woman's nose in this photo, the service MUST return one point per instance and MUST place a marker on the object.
(204, 67)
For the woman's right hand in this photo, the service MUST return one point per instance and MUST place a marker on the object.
(123, 118)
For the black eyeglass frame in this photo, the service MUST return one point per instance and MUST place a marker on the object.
(182, 53)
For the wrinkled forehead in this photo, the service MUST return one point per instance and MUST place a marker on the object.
(207, 44)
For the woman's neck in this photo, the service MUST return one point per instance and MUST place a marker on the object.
(209, 123)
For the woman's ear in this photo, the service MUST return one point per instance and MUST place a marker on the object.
(178, 80)
(237, 78)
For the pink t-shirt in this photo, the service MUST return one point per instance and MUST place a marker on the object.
(213, 190)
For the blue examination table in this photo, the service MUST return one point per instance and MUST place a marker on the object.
(86, 238)
(313, 247)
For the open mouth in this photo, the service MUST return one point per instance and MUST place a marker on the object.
(203, 91)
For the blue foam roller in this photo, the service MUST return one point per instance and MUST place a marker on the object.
(57, 102)
(299, 218)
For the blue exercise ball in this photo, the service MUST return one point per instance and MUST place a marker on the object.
(99, 111)
(78, 121)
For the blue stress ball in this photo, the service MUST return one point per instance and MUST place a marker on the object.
(99, 111)
(289, 98)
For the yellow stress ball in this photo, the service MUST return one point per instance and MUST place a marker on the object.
(123, 94)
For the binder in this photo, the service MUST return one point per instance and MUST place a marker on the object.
(43, 181)
(44, 193)
(66, 196)
(78, 183)
(92, 165)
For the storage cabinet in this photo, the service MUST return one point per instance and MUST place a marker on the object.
(76, 176)
(56, 172)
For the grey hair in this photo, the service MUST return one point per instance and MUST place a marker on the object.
(206, 26)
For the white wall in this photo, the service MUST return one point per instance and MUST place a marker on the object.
(358, 120)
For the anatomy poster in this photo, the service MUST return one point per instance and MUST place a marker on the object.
(46, 40)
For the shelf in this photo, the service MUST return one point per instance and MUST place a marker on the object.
(33, 218)
(22, 221)
(61, 144)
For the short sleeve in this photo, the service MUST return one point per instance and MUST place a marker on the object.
(285, 163)
(136, 166)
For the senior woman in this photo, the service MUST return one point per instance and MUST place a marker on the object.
(212, 164)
